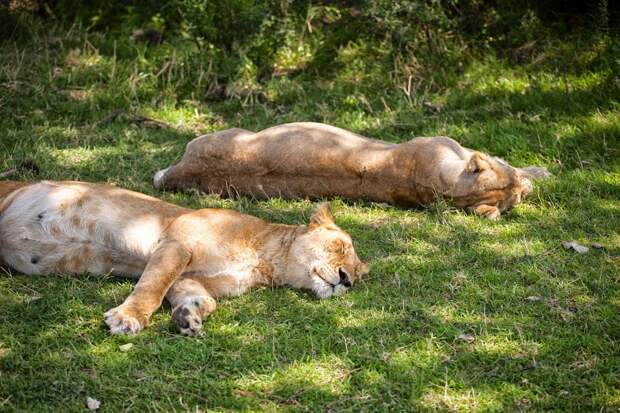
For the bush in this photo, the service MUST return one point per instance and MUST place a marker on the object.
(247, 42)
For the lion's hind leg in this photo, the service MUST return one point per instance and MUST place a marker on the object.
(190, 302)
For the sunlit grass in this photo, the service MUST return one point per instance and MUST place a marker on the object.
(457, 313)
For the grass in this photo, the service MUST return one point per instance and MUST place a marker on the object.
(457, 314)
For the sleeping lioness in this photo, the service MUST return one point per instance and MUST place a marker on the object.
(191, 257)
(313, 160)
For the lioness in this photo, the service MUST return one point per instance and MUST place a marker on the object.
(314, 160)
(191, 257)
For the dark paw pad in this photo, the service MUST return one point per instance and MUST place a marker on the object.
(187, 320)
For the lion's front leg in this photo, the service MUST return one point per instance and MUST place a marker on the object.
(166, 264)
(190, 302)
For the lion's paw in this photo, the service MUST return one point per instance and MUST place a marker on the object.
(487, 211)
(123, 320)
(188, 319)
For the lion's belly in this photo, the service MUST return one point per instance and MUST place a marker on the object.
(42, 256)
(55, 228)
(287, 187)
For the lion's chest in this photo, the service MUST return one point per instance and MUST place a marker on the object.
(229, 273)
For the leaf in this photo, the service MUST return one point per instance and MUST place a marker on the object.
(533, 298)
(575, 246)
(33, 298)
(467, 338)
(92, 404)
(125, 347)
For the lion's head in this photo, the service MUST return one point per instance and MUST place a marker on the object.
(323, 259)
(490, 186)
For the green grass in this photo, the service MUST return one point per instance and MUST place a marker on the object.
(546, 321)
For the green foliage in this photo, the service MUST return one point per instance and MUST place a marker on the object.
(224, 23)
(405, 39)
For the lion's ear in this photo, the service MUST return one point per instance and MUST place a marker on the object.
(322, 216)
(477, 163)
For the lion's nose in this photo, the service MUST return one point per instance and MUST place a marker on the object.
(344, 278)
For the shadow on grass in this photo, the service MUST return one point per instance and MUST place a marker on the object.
(273, 357)
(397, 336)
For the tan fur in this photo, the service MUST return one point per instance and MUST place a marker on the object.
(193, 256)
(312, 160)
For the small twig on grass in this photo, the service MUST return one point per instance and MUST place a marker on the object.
(26, 165)
(432, 107)
(9, 173)
(109, 117)
(137, 119)
(149, 123)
